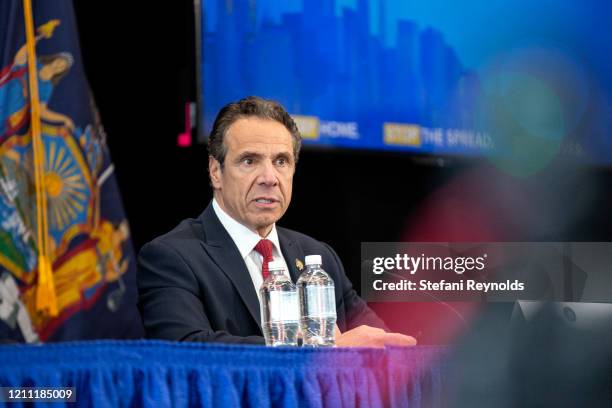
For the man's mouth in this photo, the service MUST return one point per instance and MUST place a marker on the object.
(265, 200)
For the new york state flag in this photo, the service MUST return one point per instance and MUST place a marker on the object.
(67, 268)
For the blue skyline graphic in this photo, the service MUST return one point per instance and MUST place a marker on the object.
(316, 62)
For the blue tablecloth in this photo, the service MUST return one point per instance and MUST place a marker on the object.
(164, 374)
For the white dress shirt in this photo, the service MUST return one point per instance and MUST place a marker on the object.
(246, 239)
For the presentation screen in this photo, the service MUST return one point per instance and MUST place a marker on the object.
(503, 79)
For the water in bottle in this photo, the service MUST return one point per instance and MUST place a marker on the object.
(317, 304)
(280, 312)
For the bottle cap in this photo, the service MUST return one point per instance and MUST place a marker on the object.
(313, 260)
(276, 265)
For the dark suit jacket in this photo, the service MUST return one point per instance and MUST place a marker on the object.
(194, 286)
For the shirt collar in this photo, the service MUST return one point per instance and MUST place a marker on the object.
(244, 238)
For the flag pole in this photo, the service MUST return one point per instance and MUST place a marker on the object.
(46, 300)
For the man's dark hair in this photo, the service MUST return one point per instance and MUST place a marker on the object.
(251, 106)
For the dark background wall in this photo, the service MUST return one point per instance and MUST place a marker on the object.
(140, 63)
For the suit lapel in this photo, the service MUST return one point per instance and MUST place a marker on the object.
(223, 251)
(292, 252)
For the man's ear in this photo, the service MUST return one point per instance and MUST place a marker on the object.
(214, 172)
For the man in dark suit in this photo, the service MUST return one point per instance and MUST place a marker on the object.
(200, 281)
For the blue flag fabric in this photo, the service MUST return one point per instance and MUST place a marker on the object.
(90, 249)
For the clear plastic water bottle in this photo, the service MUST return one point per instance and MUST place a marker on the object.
(280, 313)
(317, 304)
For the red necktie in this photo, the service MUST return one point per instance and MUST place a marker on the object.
(264, 247)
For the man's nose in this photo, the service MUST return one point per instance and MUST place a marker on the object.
(268, 174)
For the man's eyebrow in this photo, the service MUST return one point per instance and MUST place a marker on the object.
(249, 153)
(284, 155)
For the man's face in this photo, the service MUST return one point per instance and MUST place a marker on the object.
(254, 186)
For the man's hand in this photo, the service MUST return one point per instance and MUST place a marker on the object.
(366, 336)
